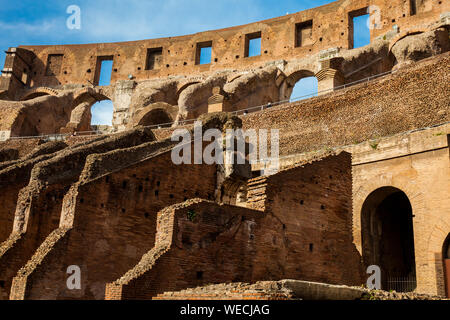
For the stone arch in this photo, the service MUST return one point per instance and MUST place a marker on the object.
(404, 34)
(287, 86)
(388, 237)
(427, 42)
(80, 117)
(38, 92)
(159, 113)
(183, 85)
(446, 260)
(437, 247)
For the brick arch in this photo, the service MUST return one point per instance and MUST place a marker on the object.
(437, 240)
(183, 85)
(416, 198)
(87, 93)
(404, 34)
(38, 92)
(80, 111)
(287, 86)
(439, 234)
(154, 114)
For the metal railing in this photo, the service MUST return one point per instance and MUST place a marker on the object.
(281, 102)
(242, 112)
(401, 283)
(59, 136)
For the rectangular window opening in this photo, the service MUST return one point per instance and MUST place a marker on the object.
(253, 44)
(413, 7)
(359, 32)
(154, 59)
(24, 78)
(204, 53)
(303, 34)
(104, 71)
(54, 64)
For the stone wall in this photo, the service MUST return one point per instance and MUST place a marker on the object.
(34, 199)
(331, 28)
(418, 165)
(316, 42)
(203, 242)
(115, 217)
(412, 98)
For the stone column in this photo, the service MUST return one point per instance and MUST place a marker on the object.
(122, 101)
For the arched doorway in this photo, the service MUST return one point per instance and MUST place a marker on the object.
(388, 238)
(446, 259)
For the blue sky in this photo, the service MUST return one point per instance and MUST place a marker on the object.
(33, 22)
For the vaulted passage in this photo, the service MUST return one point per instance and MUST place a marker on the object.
(446, 258)
(388, 238)
(155, 117)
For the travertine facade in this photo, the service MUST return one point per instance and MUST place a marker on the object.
(364, 173)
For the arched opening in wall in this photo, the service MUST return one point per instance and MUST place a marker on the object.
(102, 113)
(156, 116)
(388, 238)
(446, 260)
(34, 95)
(301, 84)
(305, 88)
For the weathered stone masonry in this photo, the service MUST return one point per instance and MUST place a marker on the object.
(139, 226)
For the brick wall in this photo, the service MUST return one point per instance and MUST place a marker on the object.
(331, 28)
(114, 225)
(209, 243)
(410, 99)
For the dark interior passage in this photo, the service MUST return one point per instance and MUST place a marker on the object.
(388, 238)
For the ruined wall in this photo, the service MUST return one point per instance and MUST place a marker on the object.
(115, 217)
(418, 165)
(316, 42)
(34, 199)
(312, 202)
(330, 28)
(203, 242)
(412, 98)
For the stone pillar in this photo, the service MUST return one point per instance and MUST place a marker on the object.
(218, 102)
(16, 72)
(329, 76)
(328, 79)
(122, 100)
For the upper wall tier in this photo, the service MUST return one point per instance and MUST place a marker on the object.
(292, 36)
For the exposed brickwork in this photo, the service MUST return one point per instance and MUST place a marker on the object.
(206, 243)
(364, 112)
(141, 227)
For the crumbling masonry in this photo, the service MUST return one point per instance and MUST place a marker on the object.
(364, 177)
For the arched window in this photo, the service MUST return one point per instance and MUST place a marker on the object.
(305, 88)
(102, 113)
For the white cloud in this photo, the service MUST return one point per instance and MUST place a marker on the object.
(102, 112)
(42, 27)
